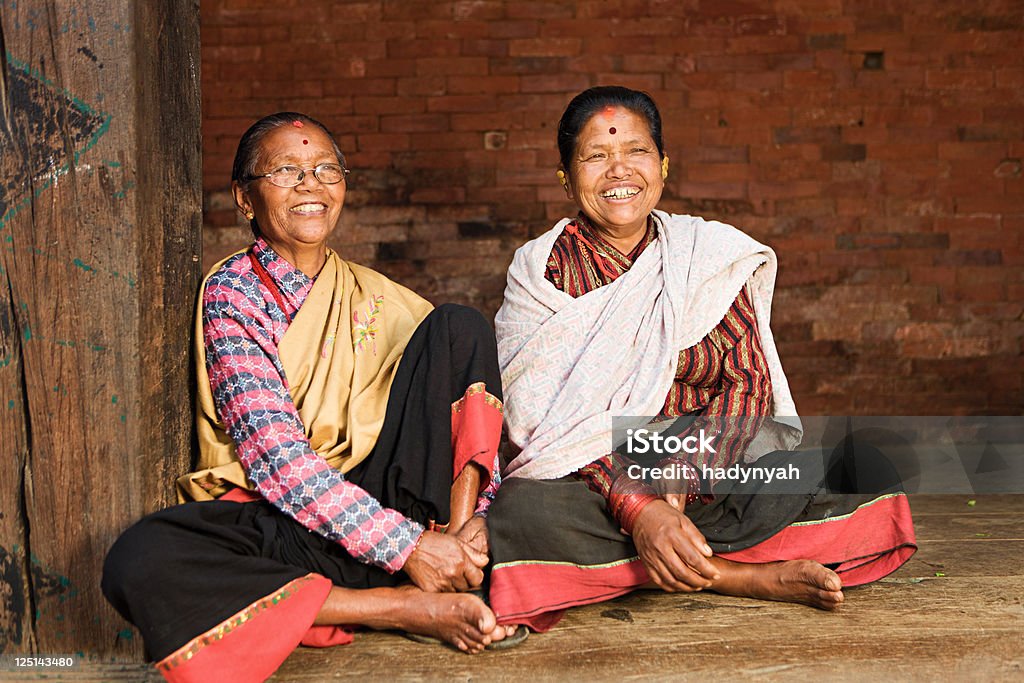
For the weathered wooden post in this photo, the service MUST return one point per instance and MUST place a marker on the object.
(99, 249)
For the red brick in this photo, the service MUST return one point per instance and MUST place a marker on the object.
(432, 167)
(989, 205)
(613, 10)
(734, 62)
(526, 65)
(897, 151)
(445, 141)
(461, 103)
(765, 44)
(648, 63)
(503, 120)
(644, 82)
(590, 63)
(714, 190)
(382, 142)
(566, 83)
(390, 68)
(445, 30)
(479, 47)
(539, 9)
(418, 10)
(323, 109)
(544, 47)
(478, 9)
(233, 54)
(247, 35)
(645, 27)
(347, 87)
(412, 49)
(709, 172)
(959, 79)
(511, 28)
(419, 86)
(388, 30)
(1010, 78)
(750, 135)
(523, 176)
(271, 89)
(471, 85)
(808, 79)
(456, 66)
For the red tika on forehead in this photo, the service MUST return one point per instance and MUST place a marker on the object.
(612, 130)
(608, 112)
(297, 123)
(305, 142)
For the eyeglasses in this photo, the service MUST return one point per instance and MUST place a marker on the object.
(290, 176)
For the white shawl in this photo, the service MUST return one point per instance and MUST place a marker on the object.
(569, 365)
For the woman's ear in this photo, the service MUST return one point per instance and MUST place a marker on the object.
(241, 196)
(562, 178)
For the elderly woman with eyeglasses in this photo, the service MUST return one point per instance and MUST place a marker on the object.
(343, 424)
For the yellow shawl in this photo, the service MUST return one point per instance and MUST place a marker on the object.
(339, 355)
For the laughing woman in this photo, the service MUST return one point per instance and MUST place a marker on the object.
(625, 310)
(342, 423)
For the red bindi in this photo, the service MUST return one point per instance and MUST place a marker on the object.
(612, 130)
(297, 123)
(305, 142)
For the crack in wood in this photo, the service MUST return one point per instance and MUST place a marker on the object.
(5, 106)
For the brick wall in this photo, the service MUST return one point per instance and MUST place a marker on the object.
(876, 145)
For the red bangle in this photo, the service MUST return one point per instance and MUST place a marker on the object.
(626, 498)
(632, 508)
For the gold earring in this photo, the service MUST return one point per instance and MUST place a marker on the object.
(664, 168)
(560, 174)
(250, 215)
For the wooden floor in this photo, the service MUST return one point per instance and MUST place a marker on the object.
(954, 612)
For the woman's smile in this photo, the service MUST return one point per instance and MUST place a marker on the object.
(310, 209)
(621, 193)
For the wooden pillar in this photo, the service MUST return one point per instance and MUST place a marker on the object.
(100, 219)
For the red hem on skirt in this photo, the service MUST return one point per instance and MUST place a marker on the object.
(536, 594)
(867, 544)
(252, 644)
(862, 557)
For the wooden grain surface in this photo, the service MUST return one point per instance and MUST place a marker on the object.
(99, 238)
(912, 626)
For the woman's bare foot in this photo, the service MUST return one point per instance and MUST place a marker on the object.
(460, 619)
(457, 618)
(803, 581)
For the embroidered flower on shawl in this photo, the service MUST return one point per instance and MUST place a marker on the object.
(364, 332)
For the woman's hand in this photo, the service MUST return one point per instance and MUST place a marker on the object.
(676, 500)
(445, 564)
(673, 551)
(474, 534)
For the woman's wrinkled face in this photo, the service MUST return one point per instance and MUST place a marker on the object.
(615, 178)
(294, 218)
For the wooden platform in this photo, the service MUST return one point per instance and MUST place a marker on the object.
(965, 624)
